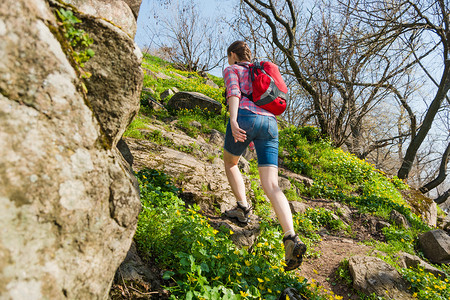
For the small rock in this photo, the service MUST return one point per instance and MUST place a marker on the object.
(373, 275)
(344, 211)
(244, 165)
(381, 224)
(242, 236)
(216, 137)
(196, 124)
(435, 245)
(148, 90)
(407, 260)
(446, 223)
(166, 94)
(211, 83)
(291, 293)
(249, 154)
(297, 207)
(399, 219)
(284, 183)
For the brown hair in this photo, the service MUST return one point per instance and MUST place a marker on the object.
(241, 49)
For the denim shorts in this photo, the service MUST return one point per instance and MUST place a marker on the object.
(262, 130)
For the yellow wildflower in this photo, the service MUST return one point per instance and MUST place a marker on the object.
(260, 280)
(247, 263)
(244, 294)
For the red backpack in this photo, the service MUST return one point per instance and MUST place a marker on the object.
(269, 89)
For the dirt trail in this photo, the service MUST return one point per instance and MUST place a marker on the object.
(322, 270)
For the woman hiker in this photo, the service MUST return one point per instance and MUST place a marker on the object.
(250, 123)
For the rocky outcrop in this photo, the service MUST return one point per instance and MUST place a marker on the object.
(68, 207)
(435, 245)
(373, 275)
(117, 12)
(191, 100)
(422, 205)
(203, 181)
(112, 84)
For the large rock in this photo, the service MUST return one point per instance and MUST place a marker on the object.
(435, 245)
(116, 77)
(135, 6)
(191, 100)
(373, 275)
(118, 12)
(68, 209)
(204, 182)
(407, 260)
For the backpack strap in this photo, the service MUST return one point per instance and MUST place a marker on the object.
(251, 74)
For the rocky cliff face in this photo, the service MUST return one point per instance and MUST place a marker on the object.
(68, 209)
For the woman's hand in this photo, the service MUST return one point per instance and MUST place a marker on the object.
(238, 133)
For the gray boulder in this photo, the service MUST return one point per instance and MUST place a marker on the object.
(118, 12)
(113, 83)
(407, 260)
(135, 6)
(373, 275)
(68, 207)
(191, 100)
(435, 245)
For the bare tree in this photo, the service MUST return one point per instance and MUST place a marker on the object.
(344, 77)
(441, 175)
(195, 41)
(425, 21)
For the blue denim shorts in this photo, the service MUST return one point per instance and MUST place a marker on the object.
(262, 130)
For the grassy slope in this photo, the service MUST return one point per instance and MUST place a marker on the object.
(205, 264)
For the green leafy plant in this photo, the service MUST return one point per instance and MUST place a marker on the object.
(77, 38)
(201, 261)
(426, 285)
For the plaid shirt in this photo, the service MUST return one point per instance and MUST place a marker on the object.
(237, 79)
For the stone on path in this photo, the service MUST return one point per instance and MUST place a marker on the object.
(373, 275)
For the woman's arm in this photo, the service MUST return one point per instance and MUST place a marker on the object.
(238, 133)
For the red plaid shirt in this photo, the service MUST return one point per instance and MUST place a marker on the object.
(237, 79)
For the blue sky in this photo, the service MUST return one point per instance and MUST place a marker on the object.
(152, 9)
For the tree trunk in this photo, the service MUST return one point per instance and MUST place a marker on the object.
(442, 173)
(411, 152)
(442, 198)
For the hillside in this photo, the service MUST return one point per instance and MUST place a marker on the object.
(343, 208)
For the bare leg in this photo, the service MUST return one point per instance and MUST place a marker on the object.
(235, 177)
(269, 182)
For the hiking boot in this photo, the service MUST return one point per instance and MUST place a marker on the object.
(239, 213)
(294, 250)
